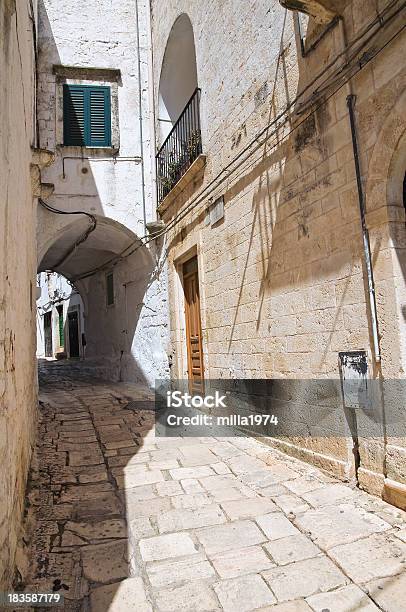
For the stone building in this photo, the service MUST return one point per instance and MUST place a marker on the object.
(18, 188)
(94, 114)
(288, 259)
(60, 318)
(270, 245)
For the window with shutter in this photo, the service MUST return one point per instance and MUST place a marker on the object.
(86, 115)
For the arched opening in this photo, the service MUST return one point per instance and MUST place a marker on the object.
(179, 108)
(113, 275)
(60, 318)
(178, 78)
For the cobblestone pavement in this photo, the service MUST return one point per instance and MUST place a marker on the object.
(123, 521)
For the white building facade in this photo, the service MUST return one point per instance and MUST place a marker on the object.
(96, 116)
(60, 319)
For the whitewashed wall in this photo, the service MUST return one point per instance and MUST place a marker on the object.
(17, 273)
(103, 34)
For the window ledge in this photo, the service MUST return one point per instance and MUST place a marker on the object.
(86, 151)
(190, 175)
(86, 73)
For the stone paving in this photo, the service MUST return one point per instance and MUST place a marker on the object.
(123, 521)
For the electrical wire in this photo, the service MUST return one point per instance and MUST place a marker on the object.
(143, 241)
(81, 239)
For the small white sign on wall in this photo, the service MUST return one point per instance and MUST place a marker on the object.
(217, 210)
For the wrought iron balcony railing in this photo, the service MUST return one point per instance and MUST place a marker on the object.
(180, 149)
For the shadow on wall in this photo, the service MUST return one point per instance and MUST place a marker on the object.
(124, 341)
(303, 228)
(96, 467)
(124, 330)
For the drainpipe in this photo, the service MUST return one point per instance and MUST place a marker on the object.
(140, 117)
(151, 106)
(365, 236)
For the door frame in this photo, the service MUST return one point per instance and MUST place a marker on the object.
(179, 340)
(195, 273)
(75, 307)
(48, 316)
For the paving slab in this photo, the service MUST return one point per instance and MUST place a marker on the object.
(377, 556)
(146, 508)
(164, 573)
(345, 599)
(167, 546)
(340, 524)
(127, 595)
(293, 548)
(238, 534)
(290, 504)
(276, 526)
(194, 596)
(191, 501)
(304, 578)
(105, 562)
(246, 508)
(110, 528)
(243, 464)
(179, 519)
(140, 527)
(192, 472)
(299, 605)
(242, 561)
(135, 477)
(328, 495)
(388, 593)
(244, 593)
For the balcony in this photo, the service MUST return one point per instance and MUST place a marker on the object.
(181, 148)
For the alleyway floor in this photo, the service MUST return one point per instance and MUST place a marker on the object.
(123, 521)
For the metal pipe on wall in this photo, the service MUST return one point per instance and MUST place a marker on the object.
(365, 235)
(140, 116)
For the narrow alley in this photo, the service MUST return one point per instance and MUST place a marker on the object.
(203, 227)
(121, 520)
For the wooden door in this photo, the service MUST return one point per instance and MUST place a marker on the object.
(73, 326)
(193, 326)
(48, 334)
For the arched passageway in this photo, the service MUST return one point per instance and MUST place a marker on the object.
(60, 318)
(120, 287)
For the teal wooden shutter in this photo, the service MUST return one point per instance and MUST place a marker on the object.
(73, 115)
(100, 120)
(87, 115)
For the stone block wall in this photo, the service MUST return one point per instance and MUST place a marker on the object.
(282, 276)
(17, 273)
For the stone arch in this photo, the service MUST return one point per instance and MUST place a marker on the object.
(387, 165)
(119, 342)
(109, 240)
(387, 230)
(178, 79)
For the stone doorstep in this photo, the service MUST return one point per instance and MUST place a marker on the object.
(395, 493)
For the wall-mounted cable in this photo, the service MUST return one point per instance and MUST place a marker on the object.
(82, 238)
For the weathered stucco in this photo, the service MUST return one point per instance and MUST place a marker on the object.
(282, 276)
(102, 46)
(17, 273)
